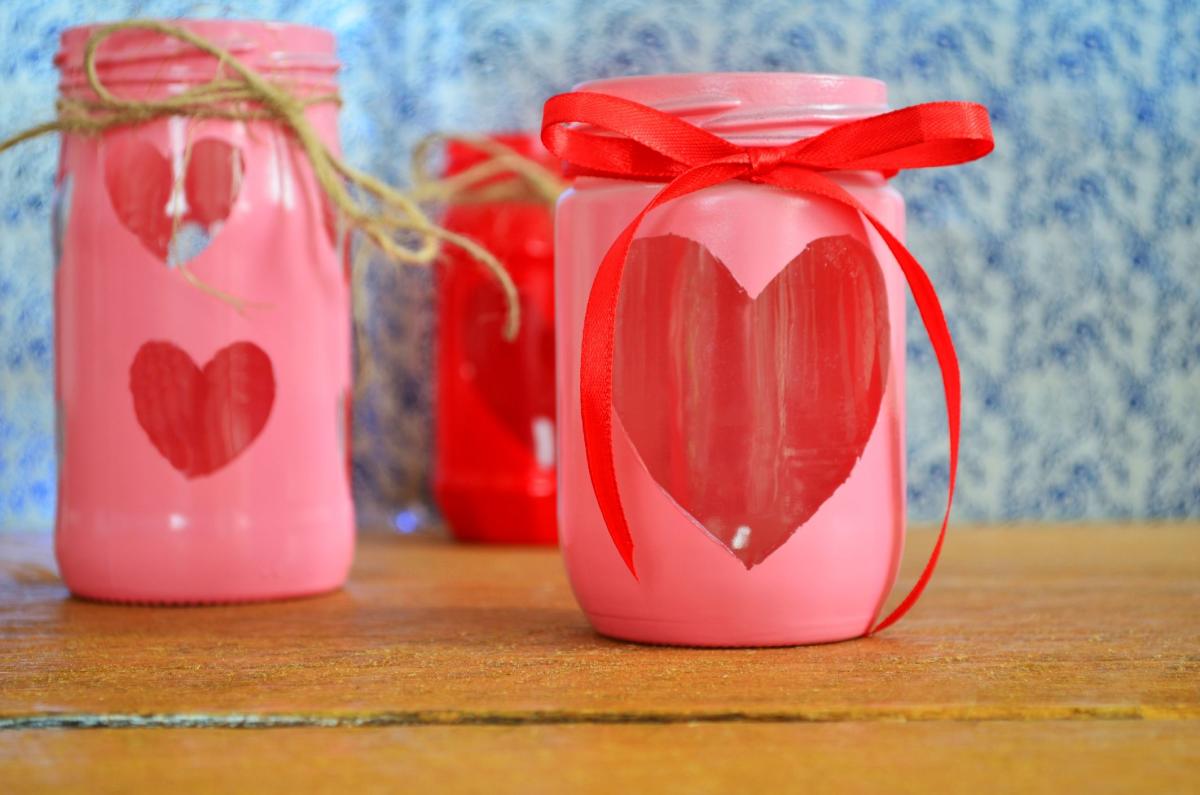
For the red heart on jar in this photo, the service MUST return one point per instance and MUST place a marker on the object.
(174, 225)
(749, 412)
(201, 419)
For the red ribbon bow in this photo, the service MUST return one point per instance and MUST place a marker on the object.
(653, 146)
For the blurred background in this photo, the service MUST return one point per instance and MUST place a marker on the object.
(1068, 261)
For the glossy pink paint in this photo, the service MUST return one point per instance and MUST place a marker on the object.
(202, 450)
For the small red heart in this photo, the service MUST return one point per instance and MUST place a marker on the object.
(141, 180)
(200, 420)
(748, 412)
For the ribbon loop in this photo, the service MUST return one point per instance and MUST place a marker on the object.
(920, 136)
(645, 144)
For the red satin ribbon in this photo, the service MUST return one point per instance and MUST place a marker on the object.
(652, 146)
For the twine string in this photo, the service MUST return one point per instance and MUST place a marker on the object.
(393, 221)
(509, 176)
(520, 177)
(239, 304)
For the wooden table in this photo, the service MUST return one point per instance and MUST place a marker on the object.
(1043, 659)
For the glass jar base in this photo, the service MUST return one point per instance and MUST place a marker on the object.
(498, 515)
(214, 560)
(175, 601)
(713, 635)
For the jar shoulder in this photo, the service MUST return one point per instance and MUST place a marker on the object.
(592, 194)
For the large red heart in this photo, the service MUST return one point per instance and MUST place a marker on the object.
(141, 187)
(200, 420)
(748, 412)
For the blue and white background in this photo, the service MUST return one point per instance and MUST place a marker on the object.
(1068, 261)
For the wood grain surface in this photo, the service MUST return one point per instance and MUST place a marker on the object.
(1061, 655)
(1050, 757)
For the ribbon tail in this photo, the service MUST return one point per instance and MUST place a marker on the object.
(930, 309)
(596, 389)
(598, 348)
(934, 320)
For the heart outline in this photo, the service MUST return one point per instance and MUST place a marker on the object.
(681, 313)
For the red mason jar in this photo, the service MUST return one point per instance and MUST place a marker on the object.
(494, 475)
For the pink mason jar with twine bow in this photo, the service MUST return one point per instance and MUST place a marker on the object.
(202, 333)
(730, 351)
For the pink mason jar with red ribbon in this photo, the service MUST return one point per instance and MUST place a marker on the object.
(202, 333)
(731, 284)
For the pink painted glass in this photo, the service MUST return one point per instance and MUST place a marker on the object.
(202, 449)
(758, 386)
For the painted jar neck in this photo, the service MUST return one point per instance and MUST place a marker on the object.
(142, 64)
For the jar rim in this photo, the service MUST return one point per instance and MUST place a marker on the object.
(793, 78)
(265, 45)
(762, 105)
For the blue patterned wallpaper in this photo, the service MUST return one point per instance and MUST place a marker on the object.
(1068, 260)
